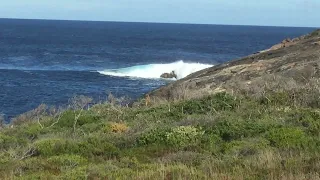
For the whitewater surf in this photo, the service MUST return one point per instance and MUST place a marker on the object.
(154, 71)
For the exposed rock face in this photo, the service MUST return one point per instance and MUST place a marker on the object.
(296, 59)
(169, 75)
(285, 43)
(317, 43)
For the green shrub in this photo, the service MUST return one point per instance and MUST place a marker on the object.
(97, 146)
(188, 158)
(36, 164)
(157, 136)
(277, 98)
(68, 118)
(307, 118)
(183, 136)
(288, 138)
(211, 143)
(8, 141)
(48, 147)
(154, 114)
(31, 131)
(177, 111)
(171, 171)
(245, 147)
(87, 118)
(78, 173)
(223, 101)
(233, 129)
(38, 175)
(128, 162)
(178, 137)
(107, 112)
(101, 171)
(93, 127)
(89, 147)
(147, 154)
(67, 160)
(53, 147)
(4, 158)
(217, 102)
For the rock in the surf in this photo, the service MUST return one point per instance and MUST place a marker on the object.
(169, 75)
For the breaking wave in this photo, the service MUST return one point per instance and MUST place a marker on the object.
(150, 71)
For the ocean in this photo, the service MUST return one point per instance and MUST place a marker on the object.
(48, 61)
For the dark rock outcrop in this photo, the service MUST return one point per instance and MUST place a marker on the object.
(169, 75)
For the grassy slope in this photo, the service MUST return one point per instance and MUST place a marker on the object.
(215, 137)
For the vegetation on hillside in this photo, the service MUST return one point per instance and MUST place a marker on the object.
(273, 135)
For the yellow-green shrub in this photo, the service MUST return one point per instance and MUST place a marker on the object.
(119, 127)
(184, 136)
(288, 138)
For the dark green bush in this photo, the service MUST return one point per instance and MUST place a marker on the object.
(232, 129)
(97, 146)
(212, 143)
(50, 147)
(32, 131)
(188, 158)
(90, 147)
(160, 113)
(67, 160)
(38, 175)
(146, 154)
(87, 118)
(154, 136)
(277, 98)
(37, 164)
(4, 157)
(217, 102)
(101, 171)
(78, 173)
(93, 127)
(8, 141)
(68, 118)
(288, 138)
(307, 118)
(245, 147)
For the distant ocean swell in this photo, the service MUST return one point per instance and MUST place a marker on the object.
(147, 71)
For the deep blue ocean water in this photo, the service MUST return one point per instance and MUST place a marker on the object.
(51, 61)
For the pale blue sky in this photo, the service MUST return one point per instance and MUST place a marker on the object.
(242, 12)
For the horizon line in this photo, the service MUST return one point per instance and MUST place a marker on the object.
(149, 22)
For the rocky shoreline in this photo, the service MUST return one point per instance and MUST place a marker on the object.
(291, 59)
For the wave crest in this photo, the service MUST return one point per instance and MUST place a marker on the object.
(151, 71)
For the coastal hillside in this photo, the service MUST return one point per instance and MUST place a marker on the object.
(254, 118)
(289, 63)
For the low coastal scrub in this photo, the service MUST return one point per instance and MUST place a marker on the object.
(220, 136)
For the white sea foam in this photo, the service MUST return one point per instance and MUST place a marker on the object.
(182, 69)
